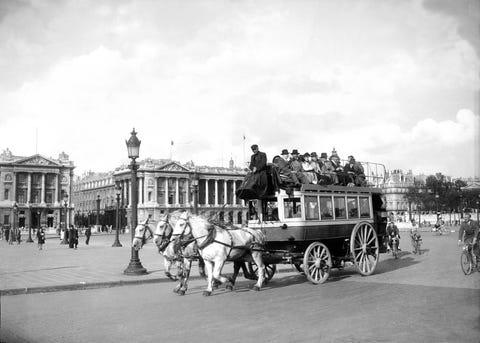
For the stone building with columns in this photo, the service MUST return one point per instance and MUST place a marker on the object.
(394, 189)
(40, 186)
(165, 186)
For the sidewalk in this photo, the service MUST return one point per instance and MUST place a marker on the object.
(24, 269)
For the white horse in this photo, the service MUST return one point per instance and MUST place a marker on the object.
(173, 252)
(217, 245)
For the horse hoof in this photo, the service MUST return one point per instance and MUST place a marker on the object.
(181, 292)
(176, 289)
(256, 288)
(207, 293)
(229, 287)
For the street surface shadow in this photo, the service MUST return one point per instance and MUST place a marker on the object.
(404, 260)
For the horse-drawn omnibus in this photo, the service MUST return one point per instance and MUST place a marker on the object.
(317, 228)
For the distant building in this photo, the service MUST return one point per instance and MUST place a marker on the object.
(163, 186)
(40, 186)
(396, 185)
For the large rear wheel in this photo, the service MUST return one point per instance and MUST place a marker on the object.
(317, 262)
(364, 248)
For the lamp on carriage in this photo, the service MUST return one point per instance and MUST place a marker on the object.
(65, 204)
(118, 191)
(133, 147)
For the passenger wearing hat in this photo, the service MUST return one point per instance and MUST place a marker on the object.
(354, 172)
(307, 169)
(284, 168)
(337, 167)
(296, 167)
(327, 172)
(314, 163)
(258, 160)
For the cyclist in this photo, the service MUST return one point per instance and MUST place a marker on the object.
(392, 232)
(468, 234)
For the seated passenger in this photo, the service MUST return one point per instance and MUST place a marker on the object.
(354, 172)
(308, 169)
(327, 172)
(296, 167)
(337, 167)
(284, 168)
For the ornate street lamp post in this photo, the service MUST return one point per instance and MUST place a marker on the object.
(117, 221)
(133, 146)
(11, 238)
(29, 239)
(65, 204)
(195, 192)
(97, 220)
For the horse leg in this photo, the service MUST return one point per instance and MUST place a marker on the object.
(209, 268)
(236, 269)
(257, 257)
(186, 274)
(201, 267)
(168, 264)
(217, 269)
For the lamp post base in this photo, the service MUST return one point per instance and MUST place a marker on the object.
(116, 243)
(135, 268)
(29, 240)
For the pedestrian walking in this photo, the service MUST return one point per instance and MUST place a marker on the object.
(19, 235)
(88, 233)
(7, 234)
(73, 237)
(40, 238)
(62, 235)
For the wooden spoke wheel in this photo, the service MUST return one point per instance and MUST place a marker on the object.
(270, 270)
(364, 248)
(317, 262)
(466, 263)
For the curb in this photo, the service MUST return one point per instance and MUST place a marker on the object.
(78, 286)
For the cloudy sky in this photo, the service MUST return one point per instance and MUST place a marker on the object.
(393, 82)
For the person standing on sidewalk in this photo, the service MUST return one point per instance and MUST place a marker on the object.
(40, 238)
(88, 233)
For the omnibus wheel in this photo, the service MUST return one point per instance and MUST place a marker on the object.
(365, 248)
(317, 263)
(270, 270)
(466, 263)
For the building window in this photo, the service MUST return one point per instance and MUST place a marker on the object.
(6, 194)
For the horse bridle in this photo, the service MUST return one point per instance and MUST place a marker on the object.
(165, 238)
(143, 238)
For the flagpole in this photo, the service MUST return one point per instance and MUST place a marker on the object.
(244, 161)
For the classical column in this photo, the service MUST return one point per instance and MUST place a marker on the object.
(225, 194)
(140, 190)
(43, 189)
(206, 192)
(29, 187)
(234, 188)
(155, 190)
(216, 192)
(187, 191)
(177, 195)
(55, 193)
(166, 191)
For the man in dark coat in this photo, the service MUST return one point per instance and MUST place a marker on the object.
(284, 170)
(258, 161)
(468, 233)
(88, 233)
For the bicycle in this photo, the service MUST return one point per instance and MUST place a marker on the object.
(466, 259)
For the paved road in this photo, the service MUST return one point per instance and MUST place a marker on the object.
(422, 298)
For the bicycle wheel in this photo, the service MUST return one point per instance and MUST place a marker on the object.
(466, 263)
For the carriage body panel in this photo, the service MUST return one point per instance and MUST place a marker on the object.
(291, 221)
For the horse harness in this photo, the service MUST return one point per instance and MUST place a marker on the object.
(143, 238)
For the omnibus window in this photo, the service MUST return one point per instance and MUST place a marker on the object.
(292, 208)
(311, 207)
(364, 208)
(352, 206)
(326, 207)
(340, 211)
(271, 211)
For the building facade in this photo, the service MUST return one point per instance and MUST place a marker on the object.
(394, 190)
(40, 187)
(163, 186)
